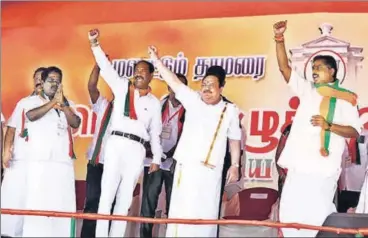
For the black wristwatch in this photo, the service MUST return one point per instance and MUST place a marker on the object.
(329, 126)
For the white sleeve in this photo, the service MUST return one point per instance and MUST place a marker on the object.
(234, 131)
(351, 117)
(298, 84)
(100, 104)
(187, 97)
(107, 70)
(155, 132)
(15, 120)
(2, 118)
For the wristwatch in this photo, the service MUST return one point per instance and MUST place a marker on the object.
(329, 126)
(235, 164)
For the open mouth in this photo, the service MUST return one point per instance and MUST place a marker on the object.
(315, 77)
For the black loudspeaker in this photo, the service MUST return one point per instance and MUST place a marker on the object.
(344, 220)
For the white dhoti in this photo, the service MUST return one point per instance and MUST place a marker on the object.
(306, 199)
(13, 193)
(195, 195)
(122, 167)
(51, 187)
(363, 199)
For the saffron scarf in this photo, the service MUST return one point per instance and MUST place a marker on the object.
(129, 109)
(327, 108)
(101, 133)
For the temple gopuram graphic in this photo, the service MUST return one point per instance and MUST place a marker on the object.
(349, 58)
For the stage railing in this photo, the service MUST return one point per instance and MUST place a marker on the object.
(89, 216)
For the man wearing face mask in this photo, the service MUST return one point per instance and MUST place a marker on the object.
(50, 177)
(15, 162)
(135, 121)
(209, 123)
(327, 114)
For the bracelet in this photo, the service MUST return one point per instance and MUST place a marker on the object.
(94, 43)
(235, 165)
(279, 38)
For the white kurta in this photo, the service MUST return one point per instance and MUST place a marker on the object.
(310, 185)
(363, 199)
(196, 188)
(15, 175)
(50, 178)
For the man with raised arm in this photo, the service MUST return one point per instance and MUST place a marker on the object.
(201, 150)
(327, 114)
(135, 121)
(103, 109)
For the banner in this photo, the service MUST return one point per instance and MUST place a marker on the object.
(243, 46)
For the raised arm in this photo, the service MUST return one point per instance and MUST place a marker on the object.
(282, 59)
(93, 91)
(109, 74)
(170, 78)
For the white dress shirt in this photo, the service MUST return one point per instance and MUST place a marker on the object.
(352, 175)
(201, 121)
(99, 108)
(302, 149)
(148, 125)
(20, 144)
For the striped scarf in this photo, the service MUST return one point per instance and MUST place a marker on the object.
(129, 110)
(101, 133)
(330, 95)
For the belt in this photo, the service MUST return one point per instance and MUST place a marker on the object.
(131, 137)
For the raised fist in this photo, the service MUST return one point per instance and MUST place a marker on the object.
(279, 27)
(93, 34)
(152, 52)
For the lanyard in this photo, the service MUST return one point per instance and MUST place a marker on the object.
(172, 116)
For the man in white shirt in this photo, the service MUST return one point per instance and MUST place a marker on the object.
(209, 123)
(327, 114)
(173, 115)
(15, 162)
(354, 164)
(363, 199)
(102, 107)
(50, 177)
(135, 120)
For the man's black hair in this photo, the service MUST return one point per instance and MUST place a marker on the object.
(179, 75)
(329, 61)
(150, 65)
(51, 69)
(40, 69)
(218, 72)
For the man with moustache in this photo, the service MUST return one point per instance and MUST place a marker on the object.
(173, 115)
(135, 121)
(50, 177)
(327, 114)
(209, 123)
(103, 109)
(15, 162)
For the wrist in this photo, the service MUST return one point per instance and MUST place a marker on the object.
(279, 38)
(235, 164)
(94, 42)
(328, 126)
